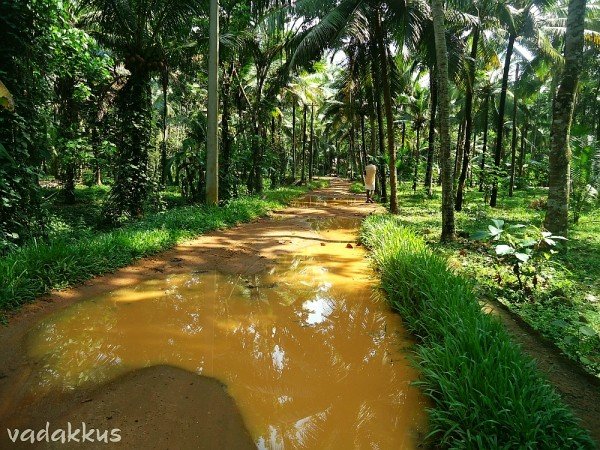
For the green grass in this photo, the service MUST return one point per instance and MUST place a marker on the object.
(39, 267)
(357, 188)
(485, 393)
(567, 300)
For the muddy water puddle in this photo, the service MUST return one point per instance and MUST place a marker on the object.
(311, 355)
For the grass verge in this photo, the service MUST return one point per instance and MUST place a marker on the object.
(485, 392)
(564, 306)
(37, 268)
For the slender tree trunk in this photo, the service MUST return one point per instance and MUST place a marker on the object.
(363, 141)
(163, 147)
(448, 227)
(274, 173)
(431, 140)
(458, 155)
(381, 139)
(469, 121)
(303, 170)
(226, 178)
(312, 145)
(522, 149)
(416, 159)
(372, 129)
(352, 150)
(68, 132)
(500, 123)
(96, 151)
(212, 122)
(471, 166)
(486, 116)
(513, 144)
(294, 139)
(387, 100)
(562, 115)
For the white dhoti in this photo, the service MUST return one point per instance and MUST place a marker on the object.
(370, 170)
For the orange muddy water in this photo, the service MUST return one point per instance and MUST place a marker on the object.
(311, 354)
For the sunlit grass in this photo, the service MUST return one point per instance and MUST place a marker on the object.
(485, 392)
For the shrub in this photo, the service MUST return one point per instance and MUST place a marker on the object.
(485, 392)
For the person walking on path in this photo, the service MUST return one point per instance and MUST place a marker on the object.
(369, 176)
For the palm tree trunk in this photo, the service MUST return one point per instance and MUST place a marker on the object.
(163, 147)
(387, 100)
(431, 140)
(458, 155)
(134, 105)
(562, 115)
(448, 227)
(312, 145)
(379, 114)
(486, 116)
(294, 139)
(303, 171)
(212, 127)
(522, 148)
(226, 178)
(469, 121)
(352, 150)
(513, 146)
(500, 123)
(416, 159)
(363, 141)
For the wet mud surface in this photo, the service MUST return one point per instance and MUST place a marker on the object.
(269, 334)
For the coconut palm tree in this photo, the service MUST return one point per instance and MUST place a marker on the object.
(523, 27)
(556, 220)
(448, 227)
(141, 34)
(367, 22)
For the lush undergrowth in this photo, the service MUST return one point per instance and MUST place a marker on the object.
(485, 392)
(357, 188)
(68, 258)
(565, 304)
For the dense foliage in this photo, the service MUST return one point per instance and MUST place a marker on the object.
(115, 92)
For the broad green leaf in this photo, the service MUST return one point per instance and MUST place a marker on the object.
(587, 331)
(494, 231)
(560, 323)
(504, 250)
(522, 257)
(527, 243)
(499, 223)
(479, 235)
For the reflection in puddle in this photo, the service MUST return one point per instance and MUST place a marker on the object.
(308, 352)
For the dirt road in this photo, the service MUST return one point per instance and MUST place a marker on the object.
(282, 314)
